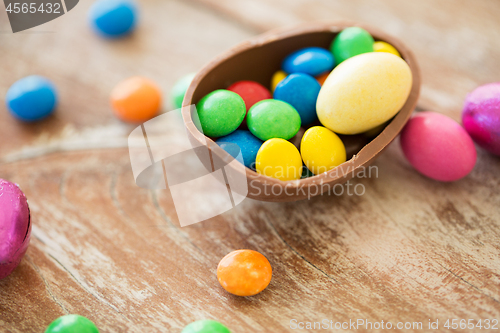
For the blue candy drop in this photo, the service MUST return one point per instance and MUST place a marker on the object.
(310, 60)
(113, 18)
(248, 144)
(31, 98)
(300, 91)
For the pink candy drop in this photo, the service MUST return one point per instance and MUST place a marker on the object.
(438, 147)
(15, 227)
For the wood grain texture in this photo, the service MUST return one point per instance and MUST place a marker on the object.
(409, 249)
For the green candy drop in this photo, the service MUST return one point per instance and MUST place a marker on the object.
(205, 326)
(179, 90)
(272, 118)
(220, 112)
(350, 42)
(72, 324)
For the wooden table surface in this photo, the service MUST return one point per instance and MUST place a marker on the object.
(409, 250)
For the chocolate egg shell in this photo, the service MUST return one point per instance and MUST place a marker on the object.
(15, 227)
(258, 60)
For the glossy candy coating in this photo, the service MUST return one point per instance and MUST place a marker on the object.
(251, 92)
(321, 150)
(280, 159)
(277, 78)
(300, 91)
(385, 47)
(310, 60)
(15, 227)
(179, 90)
(31, 98)
(481, 116)
(205, 326)
(220, 112)
(350, 42)
(273, 119)
(72, 324)
(438, 147)
(364, 92)
(113, 18)
(244, 272)
(247, 143)
(136, 99)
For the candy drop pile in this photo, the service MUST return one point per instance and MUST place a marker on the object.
(355, 87)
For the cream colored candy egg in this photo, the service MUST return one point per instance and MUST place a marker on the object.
(364, 92)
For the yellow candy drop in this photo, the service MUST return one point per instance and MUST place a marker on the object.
(321, 149)
(280, 159)
(364, 92)
(277, 78)
(385, 47)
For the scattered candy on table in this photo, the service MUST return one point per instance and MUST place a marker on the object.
(136, 99)
(277, 78)
(385, 81)
(205, 326)
(221, 112)
(280, 159)
(273, 119)
(385, 47)
(438, 147)
(351, 42)
(481, 116)
(321, 150)
(368, 87)
(31, 98)
(300, 91)
(72, 324)
(244, 272)
(179, 90)
(310, 60)
(113, 18)
(247, 143)
(251, 92)
(15, 227)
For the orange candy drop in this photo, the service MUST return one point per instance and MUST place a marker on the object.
(136, 99)
(322, 78)
(244, 272)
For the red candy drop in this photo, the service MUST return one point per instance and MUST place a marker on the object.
(251, 92)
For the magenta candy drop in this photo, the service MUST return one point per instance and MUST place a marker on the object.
(481, 116)
(15, 227)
